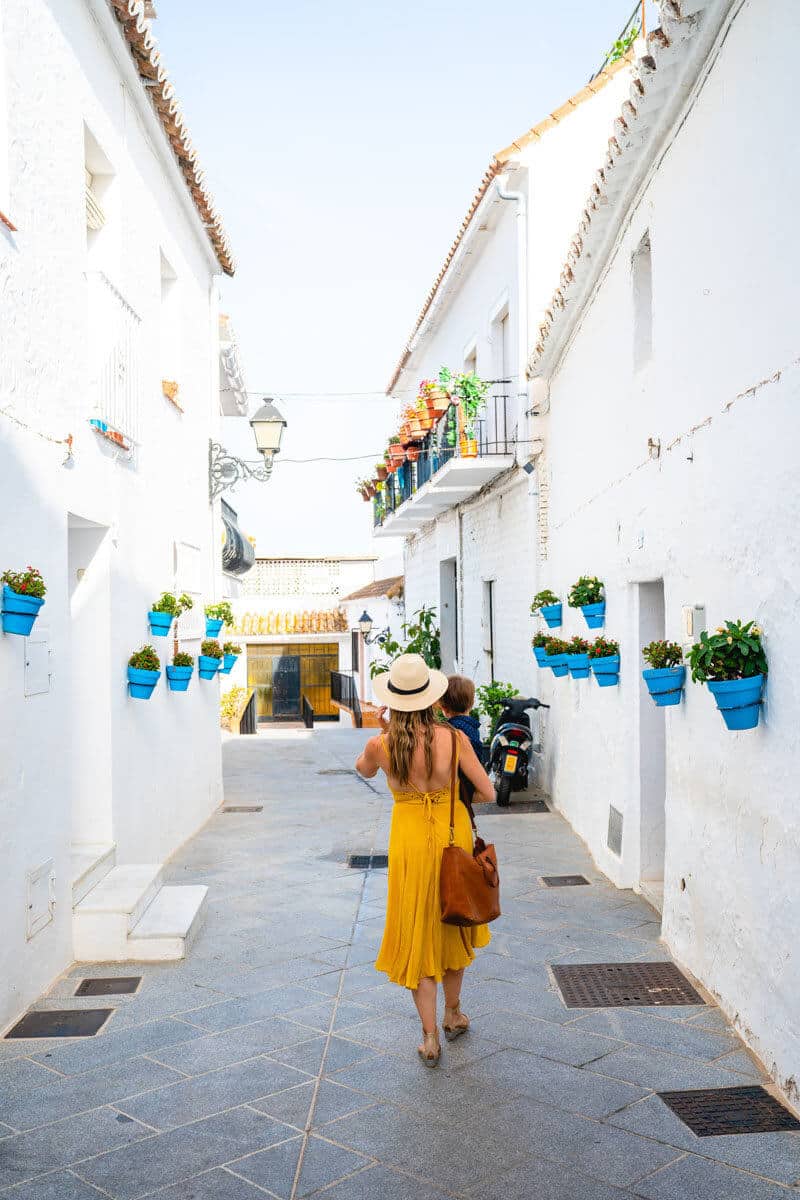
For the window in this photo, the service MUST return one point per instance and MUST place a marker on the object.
(488, 625)
(499, 412)
(642, 285)
(102, 226)
(169, 333)
(191, 625)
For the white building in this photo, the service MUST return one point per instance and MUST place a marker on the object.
(109, 392)
(668, 382)
(383, 602)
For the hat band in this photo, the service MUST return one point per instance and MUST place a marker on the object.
(406, 691)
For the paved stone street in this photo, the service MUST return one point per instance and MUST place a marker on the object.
(274, 1062)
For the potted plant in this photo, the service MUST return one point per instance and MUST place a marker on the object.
(23, 596)
(381, 471)
(144, 672)
(412, 453)
(165, 611)
(210, 658)
(557, 650)
(230, 653)
(396, 452)
(217, 615)
(491, 700)
(578, 658)
(733, 664)
(588, 594)
(548, 604)
(604, 661)
(179, 672)
(538, 644)
(667, 674)
(470, 392)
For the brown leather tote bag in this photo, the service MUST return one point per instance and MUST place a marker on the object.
(469, 883)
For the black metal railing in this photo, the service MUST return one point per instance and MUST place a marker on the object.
(345, 692)
(308, 713)
(248, 722)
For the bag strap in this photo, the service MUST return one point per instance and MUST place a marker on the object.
(453, 770)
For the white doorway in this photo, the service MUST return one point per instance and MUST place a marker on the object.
(652, 756)
(448, 614)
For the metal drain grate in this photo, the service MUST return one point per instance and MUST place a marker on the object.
(712, 1112)
(365, 862)
(337, 771)
(123, 985)
(62, 1022)
(244, 808)
(623, 985)
(565, 881)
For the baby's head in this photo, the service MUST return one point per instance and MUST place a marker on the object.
(459, 697)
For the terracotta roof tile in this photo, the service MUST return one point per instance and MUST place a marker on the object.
(390, 587)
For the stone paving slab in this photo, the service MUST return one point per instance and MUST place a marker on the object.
(276, 1040)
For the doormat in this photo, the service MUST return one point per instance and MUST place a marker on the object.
(122, 985)
(61, 1023)
(366, 862)
(565, 881)
(623, 985)
(713, 1112)
(244, 808)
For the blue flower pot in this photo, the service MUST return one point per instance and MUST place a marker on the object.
(558, 664)
(160, 623)
(665, 684)
(606, 670)
(578, 665)
(212, 627)
(540, 654)
(19, 611)
(739, 700)
(208, 666)
(178, 678)
(227, 663)
(595, 614)
(141, 683)
(552, 615)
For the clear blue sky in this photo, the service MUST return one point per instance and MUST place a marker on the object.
(343, 142)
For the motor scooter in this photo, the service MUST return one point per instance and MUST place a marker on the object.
(510, 750)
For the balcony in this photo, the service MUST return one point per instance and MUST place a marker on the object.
(442, 476)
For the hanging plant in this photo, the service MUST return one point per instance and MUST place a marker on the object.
(144, 672)
(164, 611)
(667, 675)
(210, 658)
(230, 653)
(557, 650)
(578, 658)
(23, 597)
(604, 661)
(538, 644)
(217, 615)
(733, 664)
(548, 604)
(179, 672)
(588, 594)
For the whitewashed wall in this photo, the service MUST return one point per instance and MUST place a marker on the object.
(715, 517)
(143, 774)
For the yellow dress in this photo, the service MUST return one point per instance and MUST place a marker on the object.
(416, 944)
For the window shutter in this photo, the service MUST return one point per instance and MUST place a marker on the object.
(95, 217)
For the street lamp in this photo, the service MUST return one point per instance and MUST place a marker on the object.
(365, 625)
(225, 470)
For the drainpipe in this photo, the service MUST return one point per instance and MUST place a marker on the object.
(521, 200)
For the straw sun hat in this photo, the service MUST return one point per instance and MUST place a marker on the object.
(409, 685)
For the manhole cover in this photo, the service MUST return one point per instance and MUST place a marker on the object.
(244, 808)
(62, 1022)
(564, 881)
(366, 862)
(121, 986)
(337, 771)
(623, 985)
(712, 1112)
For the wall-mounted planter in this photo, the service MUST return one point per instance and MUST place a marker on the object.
(665, 684)
(540, 654)
(178, 678)
(208, 666)
(739, 700)
(141, 683)
(595, 614)
(227, 663)
(606, 670)
(213, 627)
(558, 664)
(160, 623)
(19, 611)
(552, 615)
(578, 665)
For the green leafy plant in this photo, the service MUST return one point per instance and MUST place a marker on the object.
(622, 45)
(588, 590)
(421, 636)
(470, 391)
(491, 699)
(556, 645)
(603, 647)
(211, 648)
(540, 639)
(230, 702)
(733, 652)
(231, 648)
(542, 598)
(182, 660)
(145, 659)
(578, 645)
(220, 612)
(172, 604)
(25, 583)
(659, 655)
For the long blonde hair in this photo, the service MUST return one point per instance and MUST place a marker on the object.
(405, 731)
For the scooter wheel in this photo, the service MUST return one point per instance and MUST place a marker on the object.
(503, 791)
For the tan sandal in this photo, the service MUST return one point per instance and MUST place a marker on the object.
(458, 1024)
(430, 1051)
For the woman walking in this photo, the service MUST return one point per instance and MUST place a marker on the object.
(416, 752)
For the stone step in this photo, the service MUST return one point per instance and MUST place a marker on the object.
(169, 924)
(105, 916)
(90, 862)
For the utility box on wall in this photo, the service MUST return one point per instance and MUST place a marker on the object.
(37, 662)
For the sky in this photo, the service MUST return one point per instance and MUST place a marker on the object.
(343, 141)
